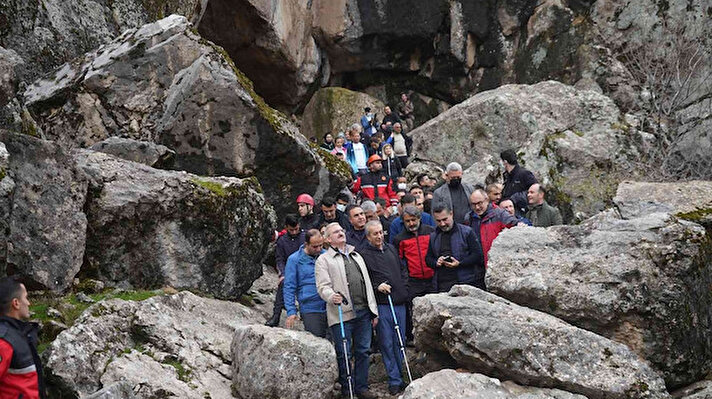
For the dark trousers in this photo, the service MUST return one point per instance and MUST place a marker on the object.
(358, 340)
(403, 161)
(279, 299)
(316, 324)
(389, 342)
(416, 287)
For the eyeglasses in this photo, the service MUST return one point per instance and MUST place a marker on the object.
(478, 203)
(336, 231)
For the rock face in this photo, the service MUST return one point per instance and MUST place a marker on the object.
(572, 140)
(271, 42)
(449, 384)
(147, 153)
(164, 83)
(491, 335)
(49, 33)
(151, 228)
(175, 345)
(691, 200)
(643, 282)
(699, 390)
(43, 195)
(335, 109)
(278, 363)
(10, 64)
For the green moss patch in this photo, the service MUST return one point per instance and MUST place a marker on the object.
(696, 216)
(70, 307)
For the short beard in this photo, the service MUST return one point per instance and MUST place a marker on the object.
(448, 228)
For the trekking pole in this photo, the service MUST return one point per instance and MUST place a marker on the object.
(400, 339)
(343, 341)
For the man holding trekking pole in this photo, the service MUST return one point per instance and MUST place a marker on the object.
(389, 277)
(342, 280)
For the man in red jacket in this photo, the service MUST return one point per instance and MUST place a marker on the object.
(375, 183)
(20, 365)
(412, 245)
(486, 220)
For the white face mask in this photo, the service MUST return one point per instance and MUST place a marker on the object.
(401, 186)
(501, 164)
(341, 207)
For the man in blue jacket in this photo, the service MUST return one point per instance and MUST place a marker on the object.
(300, 284)
(454, 253)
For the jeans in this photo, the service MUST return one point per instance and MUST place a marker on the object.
(389, 343)
(316, 324)
(358, 341)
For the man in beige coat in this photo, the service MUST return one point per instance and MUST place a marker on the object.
(341, 274)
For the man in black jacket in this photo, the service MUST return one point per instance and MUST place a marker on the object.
(20, 365)
(286, 245)
(388, 277)
(330, 214)
(517, 181)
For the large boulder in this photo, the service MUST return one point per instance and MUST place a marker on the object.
(335, 109)
(176, 345)
(275, 363)
(644, 282)
(150, 228)
(572, 140)
(271, 41)
(49, 33)
(42, 197)
(449, 384)
(690, 200)
(166, 84)
(488, 334)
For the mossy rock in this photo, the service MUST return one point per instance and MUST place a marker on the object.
(335, 109)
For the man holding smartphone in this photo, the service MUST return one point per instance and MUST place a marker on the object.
(454, 253)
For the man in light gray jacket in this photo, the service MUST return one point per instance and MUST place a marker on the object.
(341, 274)
(454, 193)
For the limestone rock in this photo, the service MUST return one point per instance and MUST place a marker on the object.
(691, 200)
(176, 345)
(148, 153)
(120, 390)
(151, 228)
(643, 282)
(164, 83)
(277, 363)
(449, 384)
(43, 200)
(572, 140)
(698, 390)
(49, 33)
(335, 109)
(488, 334)
(10, 64)
(271, 41)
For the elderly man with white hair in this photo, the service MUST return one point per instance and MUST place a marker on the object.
(454, 194)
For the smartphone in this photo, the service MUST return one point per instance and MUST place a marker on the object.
(448, 259)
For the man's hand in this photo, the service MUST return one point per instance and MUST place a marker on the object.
(291, 321)
(336, 299)
(281, 279)
(521, 224)
(384, 288)
(374, 322)
(440, 262)
(454, 263)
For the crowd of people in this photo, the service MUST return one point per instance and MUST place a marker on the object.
(355, 263)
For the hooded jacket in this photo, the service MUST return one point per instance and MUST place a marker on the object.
(489, 225)
(412, 248)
